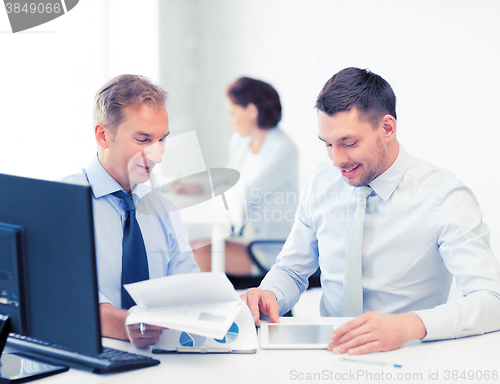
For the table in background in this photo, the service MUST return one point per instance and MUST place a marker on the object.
(199, 214)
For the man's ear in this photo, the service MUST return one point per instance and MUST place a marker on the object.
(389, 125)
(102, 135)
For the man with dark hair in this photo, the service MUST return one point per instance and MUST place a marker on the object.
(389, 233)
(130, 127)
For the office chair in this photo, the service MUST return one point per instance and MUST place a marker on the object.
(263, 254)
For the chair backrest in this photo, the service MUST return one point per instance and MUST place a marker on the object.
(263, 254)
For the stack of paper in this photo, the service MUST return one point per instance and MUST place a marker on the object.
(204, 304)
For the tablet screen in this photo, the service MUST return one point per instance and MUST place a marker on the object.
(296, 335)
(15, 368)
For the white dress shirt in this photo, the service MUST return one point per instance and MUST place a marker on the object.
(422, 227)
(164, 235)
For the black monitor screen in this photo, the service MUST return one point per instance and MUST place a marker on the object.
(54, 225)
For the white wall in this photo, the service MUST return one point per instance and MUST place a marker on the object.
(50, 74)
(441, 56)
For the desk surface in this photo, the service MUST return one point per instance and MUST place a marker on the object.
(472, 359)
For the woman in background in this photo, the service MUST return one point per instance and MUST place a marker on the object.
(268, 164)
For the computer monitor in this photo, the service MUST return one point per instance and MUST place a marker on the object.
(47, 251)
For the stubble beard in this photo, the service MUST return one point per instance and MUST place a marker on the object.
(372, 169)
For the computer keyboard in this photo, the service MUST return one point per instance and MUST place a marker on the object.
(110, 360)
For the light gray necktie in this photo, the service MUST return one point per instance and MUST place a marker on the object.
(353, 283)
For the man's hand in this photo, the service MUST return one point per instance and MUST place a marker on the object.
(113, 325)
(376, 332)
(142, 338)
(262, 302)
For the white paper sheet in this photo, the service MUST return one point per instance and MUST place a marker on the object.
(202, 303)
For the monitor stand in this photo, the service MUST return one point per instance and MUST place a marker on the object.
(17, 369)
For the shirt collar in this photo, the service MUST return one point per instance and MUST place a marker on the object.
(385, 184)
(102, 182)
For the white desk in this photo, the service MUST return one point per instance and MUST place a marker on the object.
(430, 362)
(210, 212)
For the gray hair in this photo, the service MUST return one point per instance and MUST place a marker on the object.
(125, 91)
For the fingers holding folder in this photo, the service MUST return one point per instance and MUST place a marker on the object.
(143, 335)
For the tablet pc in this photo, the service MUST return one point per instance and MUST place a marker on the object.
(295, 336)
(16, 368)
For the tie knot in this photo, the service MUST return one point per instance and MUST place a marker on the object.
(364, 192)
(128, 199)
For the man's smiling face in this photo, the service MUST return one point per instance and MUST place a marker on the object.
(354, 145)
(130, 152)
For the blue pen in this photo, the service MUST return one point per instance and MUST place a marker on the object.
(379, 363)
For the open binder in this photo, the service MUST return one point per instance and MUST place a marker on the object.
(241, 337)
(202, 311)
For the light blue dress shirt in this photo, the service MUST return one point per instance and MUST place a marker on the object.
(422, 227)
(164, 235)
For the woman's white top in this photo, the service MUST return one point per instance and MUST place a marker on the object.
(270, 179)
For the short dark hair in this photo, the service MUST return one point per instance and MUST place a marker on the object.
(246, 90)
(353, 87)
(125, 91)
